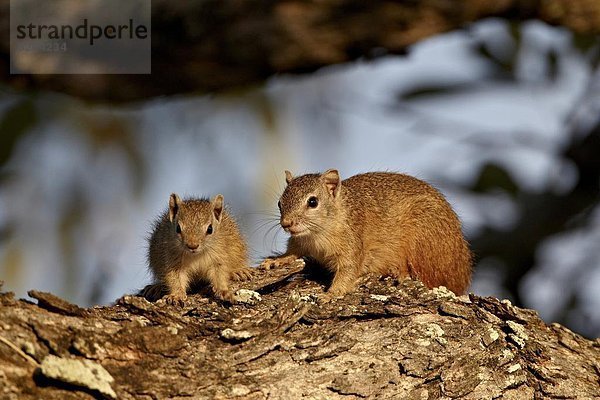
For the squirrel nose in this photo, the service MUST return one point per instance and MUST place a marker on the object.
(286, 223)
(192, 246)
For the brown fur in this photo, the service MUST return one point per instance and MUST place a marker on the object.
(179, 260)
(379, 222)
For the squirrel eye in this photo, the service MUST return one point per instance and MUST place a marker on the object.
(178, 229)
(312, 202)
(209, 229)
(279, 205)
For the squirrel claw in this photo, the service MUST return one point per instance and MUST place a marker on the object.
(266, 264)
(175, 299)
(270, 263)
(152, 292)
(243, 274)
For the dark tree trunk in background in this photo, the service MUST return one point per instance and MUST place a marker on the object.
(205, 46)
(388, 339)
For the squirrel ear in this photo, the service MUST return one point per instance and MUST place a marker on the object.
(174, 204)
(288, 176)
(217, 205)
(331, 178)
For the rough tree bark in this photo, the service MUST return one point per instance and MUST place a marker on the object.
(204, 46)
(387, 340)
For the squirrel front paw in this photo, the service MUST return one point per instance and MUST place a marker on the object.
(153, 292)
(242, 274)
(175, 299)
(276, 262)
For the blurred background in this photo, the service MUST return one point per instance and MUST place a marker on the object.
(502, 117)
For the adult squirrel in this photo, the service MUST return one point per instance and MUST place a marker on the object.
(378, 222)
(195, 240)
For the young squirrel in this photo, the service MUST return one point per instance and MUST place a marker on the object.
(379, 222)
(195, 240)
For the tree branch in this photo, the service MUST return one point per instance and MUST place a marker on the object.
(387, 339)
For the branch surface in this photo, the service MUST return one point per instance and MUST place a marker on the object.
(388, 339)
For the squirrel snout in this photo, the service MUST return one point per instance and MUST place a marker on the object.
(286, 223)
(192, 246)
